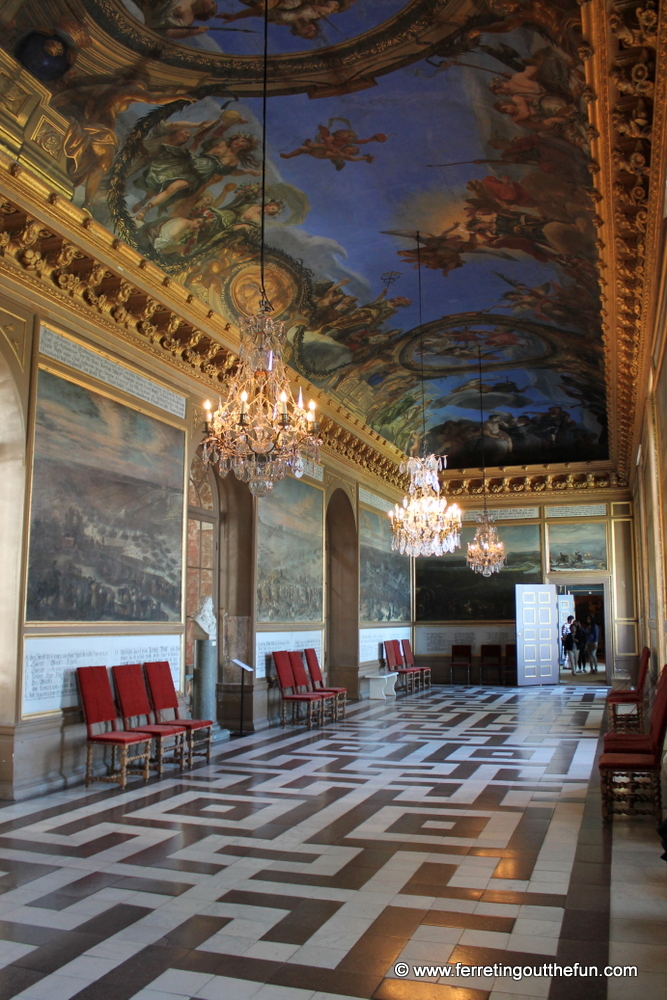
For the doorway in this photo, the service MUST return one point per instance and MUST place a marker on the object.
(589, 602)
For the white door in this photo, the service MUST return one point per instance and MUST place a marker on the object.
(565, 609)
(536, 634)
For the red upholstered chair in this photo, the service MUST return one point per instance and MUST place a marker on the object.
(639, 742)
(409, 661)
(135, 705)
(165, 699)
(302, 681)
(290, 695)
(462, 659)
(632, 720)
(99, 709)
(394, 661)
(319, 685)
(630, 780)
(491, 658)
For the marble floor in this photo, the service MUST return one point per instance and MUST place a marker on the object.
(447, 846)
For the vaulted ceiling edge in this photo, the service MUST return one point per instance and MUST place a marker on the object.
(517, 137)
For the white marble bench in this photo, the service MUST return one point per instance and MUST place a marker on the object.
(381, 686)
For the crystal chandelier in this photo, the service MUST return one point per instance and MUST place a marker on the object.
(424, 524)
(258, 430)
(486, 553)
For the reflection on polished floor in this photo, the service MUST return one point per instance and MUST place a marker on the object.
(454, 826)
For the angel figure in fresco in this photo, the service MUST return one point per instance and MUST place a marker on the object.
(176, 18)
(185, 170)
(92, 105)
(339, 147)
(300, 16)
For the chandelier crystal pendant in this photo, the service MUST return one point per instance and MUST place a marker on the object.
(258, 431)
(486, 553)
(424, 524)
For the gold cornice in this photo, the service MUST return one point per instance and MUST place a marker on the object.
(627, 73)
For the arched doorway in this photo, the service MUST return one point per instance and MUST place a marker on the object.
(342, 568)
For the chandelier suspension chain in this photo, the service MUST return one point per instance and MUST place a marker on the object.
(262, 225)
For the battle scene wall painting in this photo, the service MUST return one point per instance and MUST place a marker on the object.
(448, 590)
(577, 546)
(106, 518)
(289, 553)
(470, 131)
(384, 575)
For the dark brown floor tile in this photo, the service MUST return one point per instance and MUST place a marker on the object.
(159, 886)
(25, 934)
(476, 921)
(113, 920)
(403, 989)
(132, 976)
(515, 868)
(582, 925)
(397, 921)
(259, 970)
(373, 954)
(588, 898)
(590, 873)
(51, 957)
(306, 918)
(193, 932)
(14, 980)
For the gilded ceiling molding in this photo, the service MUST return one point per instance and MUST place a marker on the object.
(628, 45)
(554, 482)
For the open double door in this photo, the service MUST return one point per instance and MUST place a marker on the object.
(537, 633)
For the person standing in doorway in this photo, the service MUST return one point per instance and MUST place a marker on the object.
(592, 639)
(579, 635)
(567, 639)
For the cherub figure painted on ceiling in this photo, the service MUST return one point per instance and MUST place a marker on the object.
(176, 18)
(339, 147)
(302, 17)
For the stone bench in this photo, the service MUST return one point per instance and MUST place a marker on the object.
(381, 686)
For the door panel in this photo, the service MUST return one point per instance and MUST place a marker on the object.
(536, 634)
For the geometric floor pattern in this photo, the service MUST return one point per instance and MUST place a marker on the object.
(449, 827)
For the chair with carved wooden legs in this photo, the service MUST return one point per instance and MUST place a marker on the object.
(630, 772)
(165, 699)
(99, 709)
(409, 660)
(303, 682)
(135, 704)
(394, 661)
(289, 695)
(319, 685)
(633, 720)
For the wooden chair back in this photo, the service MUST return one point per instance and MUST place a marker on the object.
(407, 653)
(284, 671)
(96, 697)
(161, 687)
(491, 655)
(461, 655)
(299, 671)
(314, 667)
(131, 690)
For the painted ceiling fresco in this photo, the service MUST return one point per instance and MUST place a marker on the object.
(462, 121)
